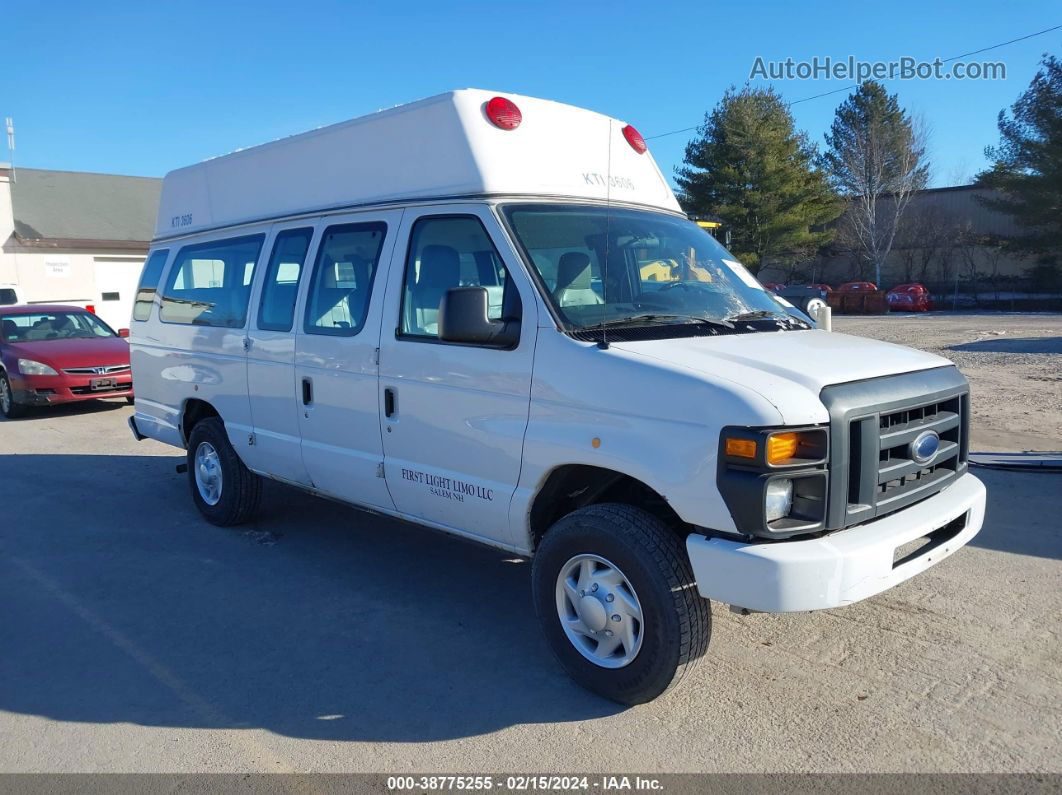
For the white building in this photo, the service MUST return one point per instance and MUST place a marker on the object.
(76, 237)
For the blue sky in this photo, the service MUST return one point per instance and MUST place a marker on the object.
(141, 87)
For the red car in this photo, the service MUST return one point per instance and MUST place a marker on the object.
(912, 297)
(857, 287)
(59, 354)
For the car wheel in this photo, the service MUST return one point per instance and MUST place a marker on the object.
(812, 307)
(616, 599)
(8, 406)
(224, 490)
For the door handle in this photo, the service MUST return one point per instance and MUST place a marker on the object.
(307, 391)
(390, 402)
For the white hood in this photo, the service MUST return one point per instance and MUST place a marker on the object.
(773, 363)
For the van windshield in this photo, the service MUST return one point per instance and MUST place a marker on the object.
(618, 267)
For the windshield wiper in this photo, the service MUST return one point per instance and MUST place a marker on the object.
(665, 320)
(766, 314)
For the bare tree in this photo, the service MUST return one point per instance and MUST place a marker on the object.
(877, 158)
(994, 249)
(926, 232)
(968, 245)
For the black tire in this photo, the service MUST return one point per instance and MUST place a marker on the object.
(241, 489)
(677, 621)
(8, 407)
(130, 399)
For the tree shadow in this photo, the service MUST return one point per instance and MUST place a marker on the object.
(1011, 345)
(317, 621)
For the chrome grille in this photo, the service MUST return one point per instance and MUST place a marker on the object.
(109, 369)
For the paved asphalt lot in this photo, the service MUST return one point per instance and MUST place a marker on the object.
(136, 637)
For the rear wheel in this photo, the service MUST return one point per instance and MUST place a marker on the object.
(224, 490)
(616, 599)
(8, 407)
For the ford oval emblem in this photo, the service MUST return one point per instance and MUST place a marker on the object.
(925, 446)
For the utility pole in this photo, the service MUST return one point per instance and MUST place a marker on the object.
(9, 123)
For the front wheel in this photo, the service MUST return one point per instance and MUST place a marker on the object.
(8, 407)
(224, 490)
(617, 601)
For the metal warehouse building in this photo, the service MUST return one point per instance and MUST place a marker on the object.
(73, 236)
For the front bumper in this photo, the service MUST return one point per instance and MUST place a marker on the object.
(47, 390)
(841, 568)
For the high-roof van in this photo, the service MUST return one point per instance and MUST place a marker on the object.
(487, 313)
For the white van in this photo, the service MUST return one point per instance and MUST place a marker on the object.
(487, 314)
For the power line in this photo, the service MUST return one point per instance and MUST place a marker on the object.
(824, 94)
(673, 132)
(849, 88)
(1002, 44)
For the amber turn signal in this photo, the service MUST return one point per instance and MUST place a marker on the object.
(741, 448)
(781, 447)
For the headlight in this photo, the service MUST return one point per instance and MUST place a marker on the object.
(773, 480)
(30, 367)
(779, 499)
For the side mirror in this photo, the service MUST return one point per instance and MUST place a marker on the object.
(463, 317)
(123, 332)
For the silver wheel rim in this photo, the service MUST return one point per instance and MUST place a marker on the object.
(208, 473)
(5, 396)
(599, 611)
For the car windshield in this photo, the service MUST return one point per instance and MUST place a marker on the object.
(615, 267)
(52, 326)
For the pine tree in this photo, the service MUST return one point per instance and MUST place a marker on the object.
(751, 167)
(876, 157)
(1027, 163)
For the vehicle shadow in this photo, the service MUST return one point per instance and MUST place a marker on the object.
(79, 408)
(1011, 345)
(121, 605)
(1022, 513)
(317, 621)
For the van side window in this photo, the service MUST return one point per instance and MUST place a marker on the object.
(209, 283)
(445, 252)
(149, 282)
(343, 275)
(276, 311)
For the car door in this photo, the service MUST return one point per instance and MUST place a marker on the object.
(271, 383)
(336, 370)
(454, 415)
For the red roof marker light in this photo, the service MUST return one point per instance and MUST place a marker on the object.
(503, 113)
(634, 138)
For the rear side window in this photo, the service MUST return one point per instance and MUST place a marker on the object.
(149, 282)
(276, 312)
(210, 283)
(343, 274)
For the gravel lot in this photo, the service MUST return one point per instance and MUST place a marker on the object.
(1013, 362)
(136, 637)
